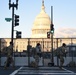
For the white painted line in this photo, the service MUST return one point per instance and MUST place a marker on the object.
(16, 71)
(20, 68)
(67, 70)
(42, 71)
(42, 67)
(20, 71)
(50, 73)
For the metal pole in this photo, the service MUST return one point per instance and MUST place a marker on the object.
(28, 49)
(72, 55)
(12, 31)
(57, 57)
(52, 60)
(43, 51)
(0, 52)
(12, 27)
(51, 14)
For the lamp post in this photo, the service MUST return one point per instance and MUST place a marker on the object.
(13, 6)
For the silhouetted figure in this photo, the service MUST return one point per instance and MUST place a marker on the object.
(9, 59)
(61, 53)
(36, 51)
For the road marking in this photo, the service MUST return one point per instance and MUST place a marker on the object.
(48, 73)
(27, 70)
(16, 71)
(68, 70)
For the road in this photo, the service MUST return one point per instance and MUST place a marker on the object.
(38, 71)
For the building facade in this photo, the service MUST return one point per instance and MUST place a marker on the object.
(40, 28)
(21, 44)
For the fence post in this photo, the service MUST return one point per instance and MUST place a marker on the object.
(43, 51)
(28, 50)
(57, 57)
(0, 51)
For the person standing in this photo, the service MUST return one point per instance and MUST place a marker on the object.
(37, 54)
(61, 53)
(9, 59)
(38, 49)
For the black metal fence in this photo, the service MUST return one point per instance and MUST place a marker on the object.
(20, 46)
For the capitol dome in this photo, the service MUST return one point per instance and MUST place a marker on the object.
(41, 24)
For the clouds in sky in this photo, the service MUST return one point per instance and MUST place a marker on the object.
(65, 32)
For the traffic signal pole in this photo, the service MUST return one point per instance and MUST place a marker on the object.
(12, 31)
(52, 59)
(12, 26)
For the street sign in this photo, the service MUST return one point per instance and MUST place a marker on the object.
(8, 19)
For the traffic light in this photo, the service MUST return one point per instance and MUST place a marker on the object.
(18, 34)
(52, 28)
(16, 20)
(48, 35)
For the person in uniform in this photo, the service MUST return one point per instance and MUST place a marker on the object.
(9, 59)
(36, 51)
(61, 53)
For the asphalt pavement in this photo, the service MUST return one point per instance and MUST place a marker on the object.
(7, 71)
(39, 71)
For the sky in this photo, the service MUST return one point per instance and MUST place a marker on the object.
(64, 17)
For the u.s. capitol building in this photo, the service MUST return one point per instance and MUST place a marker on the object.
(41, 26)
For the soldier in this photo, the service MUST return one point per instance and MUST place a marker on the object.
(61, 52)
(9, 56)
(36, 54)
(38, 49)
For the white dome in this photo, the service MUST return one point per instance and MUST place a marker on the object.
(41, 24)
